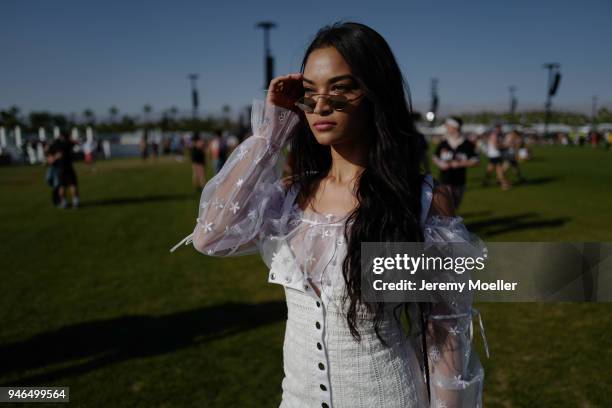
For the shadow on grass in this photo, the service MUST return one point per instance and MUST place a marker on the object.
(138, 200)
(535, 181)
(538, 180)
(526, 221)
(471, 214)
(105, 342)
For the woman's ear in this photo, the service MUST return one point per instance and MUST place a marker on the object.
(442, 201)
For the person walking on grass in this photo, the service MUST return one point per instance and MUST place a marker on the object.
(198, 161)
(453, 156)
(67, 175)
(53, 156)
(494, 152)
(513, 143)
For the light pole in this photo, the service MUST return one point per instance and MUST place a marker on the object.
(268, 58)
(554, 78)
(194, 94)
(433, 111)
(594, 112)
(513, 102)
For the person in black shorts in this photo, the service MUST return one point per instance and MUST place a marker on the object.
(453, 156)
(513, 142)
(496, 152)
(198, 161)
(67, 176)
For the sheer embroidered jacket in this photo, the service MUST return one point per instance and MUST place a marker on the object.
(246, 208)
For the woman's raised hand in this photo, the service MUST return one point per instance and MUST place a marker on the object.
(285, 90)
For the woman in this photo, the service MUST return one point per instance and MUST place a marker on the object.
(198, 162)
(513, 141)
(355, 177)
(494, 150)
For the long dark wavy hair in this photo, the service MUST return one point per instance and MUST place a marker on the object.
(389, 189)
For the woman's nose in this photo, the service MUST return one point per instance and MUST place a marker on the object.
(323, 106)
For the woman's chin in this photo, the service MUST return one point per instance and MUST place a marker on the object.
(327, 138)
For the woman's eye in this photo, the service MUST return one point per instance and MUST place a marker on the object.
(342, 88)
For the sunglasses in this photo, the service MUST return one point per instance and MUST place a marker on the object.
(338, 102)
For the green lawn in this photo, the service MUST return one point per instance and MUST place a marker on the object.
(92, 299)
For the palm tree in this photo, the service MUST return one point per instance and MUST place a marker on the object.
(89, 116)
(226, 111)
(147, 109)
(113, 111)
(10, 117)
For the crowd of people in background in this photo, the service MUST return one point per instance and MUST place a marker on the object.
(147, 142)
(455, 153)
(216, 149)
(61, 153)
(591, 138)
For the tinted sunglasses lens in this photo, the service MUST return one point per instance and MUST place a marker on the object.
(338, 102)
(306, 104)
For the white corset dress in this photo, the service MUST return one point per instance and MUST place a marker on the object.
(325, 367)
(246, 209)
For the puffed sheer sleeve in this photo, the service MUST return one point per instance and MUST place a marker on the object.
(238, 206)
(456, 374)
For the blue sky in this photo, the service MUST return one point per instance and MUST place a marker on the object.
(66, 56)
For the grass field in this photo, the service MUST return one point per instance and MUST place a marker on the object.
(92, 299)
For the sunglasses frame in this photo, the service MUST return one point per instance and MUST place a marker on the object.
(334, 104)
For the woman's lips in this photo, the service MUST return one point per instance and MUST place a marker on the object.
(322, 126)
